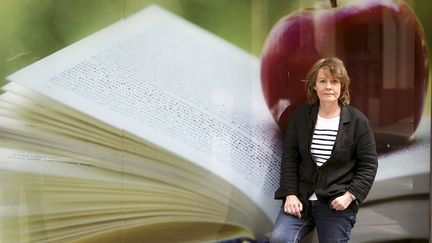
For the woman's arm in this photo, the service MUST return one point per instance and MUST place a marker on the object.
(367, 162)
(290, 162)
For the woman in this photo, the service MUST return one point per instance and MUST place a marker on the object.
(329, 160)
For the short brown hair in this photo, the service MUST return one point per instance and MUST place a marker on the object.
(337, 70)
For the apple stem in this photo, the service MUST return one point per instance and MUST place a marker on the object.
(333, 3)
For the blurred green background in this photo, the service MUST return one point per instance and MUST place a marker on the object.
(33, 29)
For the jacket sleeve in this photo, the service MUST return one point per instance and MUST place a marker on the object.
(290, 162)
(367, 162)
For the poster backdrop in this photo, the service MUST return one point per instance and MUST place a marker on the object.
(153, 121)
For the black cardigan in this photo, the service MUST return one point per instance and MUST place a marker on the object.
(352, 166)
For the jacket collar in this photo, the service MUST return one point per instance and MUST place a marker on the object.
(344, 116)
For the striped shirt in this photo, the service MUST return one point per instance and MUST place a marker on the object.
(323, 140)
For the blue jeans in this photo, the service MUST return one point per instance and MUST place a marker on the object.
(332, 226)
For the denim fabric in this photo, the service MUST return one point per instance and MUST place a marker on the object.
(332, 226)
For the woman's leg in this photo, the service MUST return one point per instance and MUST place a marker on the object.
(290, 229)
(332, 226)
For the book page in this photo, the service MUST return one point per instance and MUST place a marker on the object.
(397, 178)
(176, 86)
(84, 196)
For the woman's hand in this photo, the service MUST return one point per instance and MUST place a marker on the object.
(342, 202)
(293, 206)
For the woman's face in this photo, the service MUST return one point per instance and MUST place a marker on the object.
(328, 88)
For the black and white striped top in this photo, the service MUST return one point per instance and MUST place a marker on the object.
(323, 139)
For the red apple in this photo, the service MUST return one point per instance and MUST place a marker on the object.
(383, 47)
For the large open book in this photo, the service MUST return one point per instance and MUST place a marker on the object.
(151, 128)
